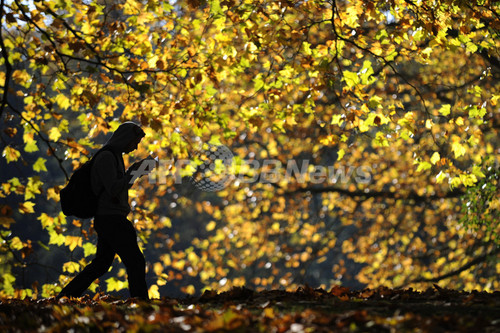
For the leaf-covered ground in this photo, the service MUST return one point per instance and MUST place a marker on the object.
(243, 310)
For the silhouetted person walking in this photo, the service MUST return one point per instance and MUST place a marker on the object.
(115, 233)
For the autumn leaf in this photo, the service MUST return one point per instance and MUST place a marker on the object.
(445, 109)
(10, 154)
(381, 131)
(457, 148)
(40, 165)
(435, 157)
(54, 134)
(26, 207)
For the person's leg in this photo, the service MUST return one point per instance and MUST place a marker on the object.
(98, 267)
(124, 243)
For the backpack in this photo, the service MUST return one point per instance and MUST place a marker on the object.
(77, 198)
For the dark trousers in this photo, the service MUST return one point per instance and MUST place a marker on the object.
(115, 235)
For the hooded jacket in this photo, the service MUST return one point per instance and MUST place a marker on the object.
(108, 178)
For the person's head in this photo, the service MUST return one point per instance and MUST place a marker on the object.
(134, 142)
(126, 137)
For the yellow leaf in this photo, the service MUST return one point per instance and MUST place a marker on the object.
(26, 207)
(468, 180)
(455, 182)
(30, 146)
(166, 222)
(337, 119)
(16, 243)
(193, 258)
(73, 242)
(435, 157)
(427, 51)
(154, 291)
(307, 48)
(32, 188)
(429, 124)
(167, 261)
(422, 166)
(158, 268)
(40, 165)
(269, 312)
(440, 177)
(458, 149)
(56, 238)
(340, 154)
(71, 267)
(22, 77)
(351, 79)
(211, 226)
(115, 284)
(328, 140)
(190, 289)
(445, 109)
(63, 101)
(152, 61)
(11, 154)
(179, 264)
(51, 194)
(45, 220)
(89, 249)
(54, 134)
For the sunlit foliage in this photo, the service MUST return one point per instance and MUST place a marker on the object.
(356, 128)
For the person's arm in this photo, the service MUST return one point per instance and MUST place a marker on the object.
(106, 167)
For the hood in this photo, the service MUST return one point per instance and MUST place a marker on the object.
(124, 134)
